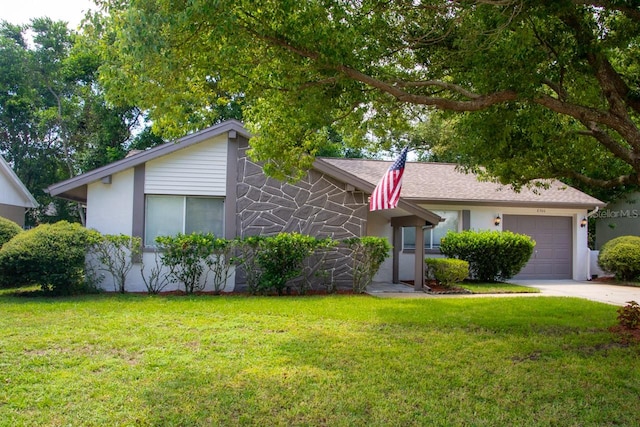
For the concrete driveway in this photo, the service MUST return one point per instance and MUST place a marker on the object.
(595, 291)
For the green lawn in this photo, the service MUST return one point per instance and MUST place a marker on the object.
(335, 361)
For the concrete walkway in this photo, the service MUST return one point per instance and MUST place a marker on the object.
(595, 291)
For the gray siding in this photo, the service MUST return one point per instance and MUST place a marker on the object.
(14, 213)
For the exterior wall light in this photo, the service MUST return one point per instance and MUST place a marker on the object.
(584, 222)
(497, 221)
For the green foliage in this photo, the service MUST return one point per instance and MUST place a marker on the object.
(220, 261)
(492, 255)
(280, 259)
(116, 254)
(447, 271)
(629, 315)
(368, 255)
(186, 257)
(154, 280)
(248, 249)
(54, 119)
(8, 229)
(50, 255)
(530, 86)
(621, 256)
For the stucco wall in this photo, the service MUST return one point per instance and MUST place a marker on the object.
(110, 206)
(317, 205)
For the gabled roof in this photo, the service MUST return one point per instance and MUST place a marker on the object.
(325, 165)
(443, 183)
(14, 181)
(76, 188)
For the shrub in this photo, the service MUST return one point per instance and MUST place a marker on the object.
(8, 229)
(621, 256)
(50, 255)
(220, 261)
(368, 255)
(280, 259)
(492, 255)
(155, 281)
(116, 254)
(248, 249)
(185, 256)
(629, 315)
(447, 271)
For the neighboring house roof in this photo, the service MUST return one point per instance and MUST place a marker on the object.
(444, 183)
(10, 176)
(76, 188)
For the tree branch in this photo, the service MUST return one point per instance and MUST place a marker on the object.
(604, 183)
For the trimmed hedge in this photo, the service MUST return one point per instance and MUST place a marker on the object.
(50, 255)
(8, 230)
(621, 256)
(492, 255)
(447, 271)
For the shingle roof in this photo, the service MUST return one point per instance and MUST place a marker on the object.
(444, 183)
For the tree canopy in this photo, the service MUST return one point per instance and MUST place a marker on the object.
(526, 89)
(54, 120)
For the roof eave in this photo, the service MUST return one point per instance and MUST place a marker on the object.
(508, 203)
(348, 178)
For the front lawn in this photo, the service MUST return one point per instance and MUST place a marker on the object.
(336, 361)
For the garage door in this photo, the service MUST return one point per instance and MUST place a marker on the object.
(552, 255)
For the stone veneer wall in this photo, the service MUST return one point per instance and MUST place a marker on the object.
(317, 205)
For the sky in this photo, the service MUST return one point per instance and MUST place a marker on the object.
(21, 11)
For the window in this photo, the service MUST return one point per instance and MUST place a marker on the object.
(432, 237)
(170, 215)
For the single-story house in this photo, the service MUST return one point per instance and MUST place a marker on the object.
(206, 182)
(15, 199)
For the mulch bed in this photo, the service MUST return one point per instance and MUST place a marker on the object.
(433, 288)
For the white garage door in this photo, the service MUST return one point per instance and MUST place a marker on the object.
(552, 255)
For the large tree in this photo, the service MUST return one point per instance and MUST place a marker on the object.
(524, 88)
(54, 120)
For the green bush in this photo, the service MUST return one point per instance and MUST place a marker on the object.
(492, 255)
(447, 271)
(368, 255)
(621, 256)
(8, 229)
(280, 259)
(629, 315)
(116, 254)
(247, 259)
(50, 255)
(186, 257)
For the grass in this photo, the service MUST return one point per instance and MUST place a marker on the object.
(338, 361)
(497, 288)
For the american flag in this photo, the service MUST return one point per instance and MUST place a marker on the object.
(387, 192)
